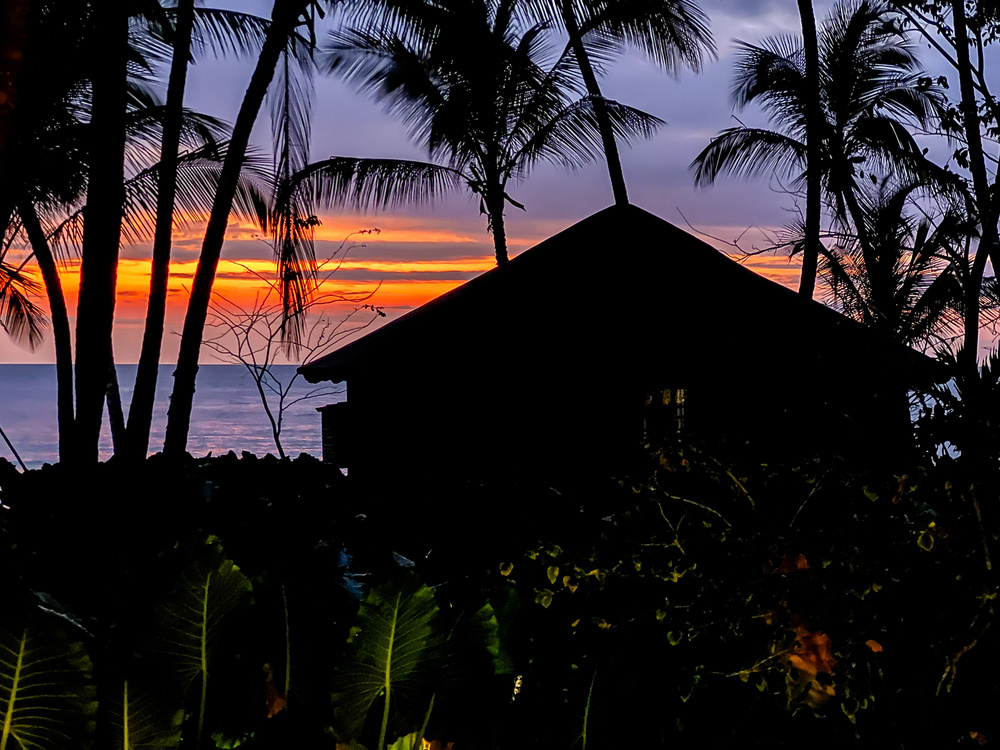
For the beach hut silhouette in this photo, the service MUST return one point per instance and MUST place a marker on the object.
(620, 330)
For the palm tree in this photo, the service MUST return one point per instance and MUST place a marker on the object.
(869, 92)
(286, 17)
(477, 90)
(227, 29)
(671, 32)
(814, 150)
(921, 264)
(109, 38)
(48, 193)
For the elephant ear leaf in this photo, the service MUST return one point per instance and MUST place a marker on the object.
(143, 720)
(473, 648)
(189, 623)
(394, 659)
(47, 697)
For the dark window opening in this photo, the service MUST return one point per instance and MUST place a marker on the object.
(665, 413)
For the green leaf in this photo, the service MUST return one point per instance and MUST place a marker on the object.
(189, 623)
(47, 698)
(409, 741)
(395, 657)
(926, 540)
(143, 719)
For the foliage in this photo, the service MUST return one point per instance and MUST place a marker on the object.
(46, 697)
(964, 415)
(142, 718)
(405, 655)
(189, 622)
(850, 606)
(395, 648)
(922, 266)
(191, 648)
(806, 600)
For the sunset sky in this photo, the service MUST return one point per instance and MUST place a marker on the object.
(424, 251)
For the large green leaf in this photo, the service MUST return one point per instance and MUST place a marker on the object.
(47, 698)
(395, 656)
(143, 719)
(189, 623)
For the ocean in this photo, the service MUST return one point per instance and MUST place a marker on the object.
(227, 413)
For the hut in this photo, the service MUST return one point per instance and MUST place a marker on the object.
(619, 331)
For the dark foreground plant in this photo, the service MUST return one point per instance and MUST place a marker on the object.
(807, 604)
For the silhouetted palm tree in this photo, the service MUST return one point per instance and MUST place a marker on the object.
(920, 265)
(870, 90)
(51, 147)
(814, 149)
(215, 29)
(478, 89)
(286, 17)
(672, 33)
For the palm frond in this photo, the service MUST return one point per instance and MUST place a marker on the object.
(22, 319)
(908, 282)
(144, 128)
(672, 33)
(572, 137)
(773, 70)
(227, 32)
(747, 152)
(397, 76)
(290, 98)
(375, 183)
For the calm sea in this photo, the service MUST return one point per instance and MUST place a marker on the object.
(227, 412)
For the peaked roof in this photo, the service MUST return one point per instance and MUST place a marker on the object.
(654, 273)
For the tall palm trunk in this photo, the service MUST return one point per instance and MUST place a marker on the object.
(494, 207)
(284, 18)
(600, 110)
(989, 239)
(140, 414)
(60, 327)
(814, 151)
(102, 225)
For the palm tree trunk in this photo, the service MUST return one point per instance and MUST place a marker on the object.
(60, 327)
(814, 151)
(140, 413)
(284, 18)
(116, 417)
(102, 225)
(494, 208)
(611, 154)
(989, 239)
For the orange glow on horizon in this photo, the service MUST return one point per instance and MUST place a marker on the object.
(395, 282)
(356, 230)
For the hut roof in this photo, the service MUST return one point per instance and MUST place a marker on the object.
(625, 258)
